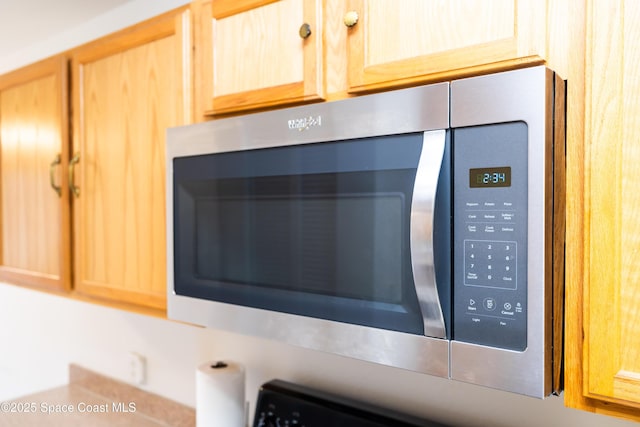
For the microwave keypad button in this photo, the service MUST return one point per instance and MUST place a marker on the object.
(490, 263)
(507, 216)
(489, 304)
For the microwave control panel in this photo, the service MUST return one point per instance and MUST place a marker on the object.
(490, 235)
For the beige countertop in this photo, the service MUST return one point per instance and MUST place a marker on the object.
(91, 399)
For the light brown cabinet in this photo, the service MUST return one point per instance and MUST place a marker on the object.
(34, 211)
(405, 42)
(603, 308)
(127, 89)
(258, 53)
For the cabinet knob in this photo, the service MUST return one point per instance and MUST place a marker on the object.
(305, 30)
(351, 18)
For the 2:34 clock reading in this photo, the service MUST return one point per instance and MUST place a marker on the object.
(490, 177)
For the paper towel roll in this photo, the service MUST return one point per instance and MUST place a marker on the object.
(220, 400)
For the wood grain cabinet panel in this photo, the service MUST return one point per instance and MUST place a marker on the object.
(34, 217)
(128, 88)
(249, 54)
(411, 41)
(612, 294)
(254, 54)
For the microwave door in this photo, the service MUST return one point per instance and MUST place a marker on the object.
(313, 235)
(319, 230)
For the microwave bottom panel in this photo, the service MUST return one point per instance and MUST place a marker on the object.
(402, 350)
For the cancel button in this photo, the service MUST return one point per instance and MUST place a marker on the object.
(507, 309)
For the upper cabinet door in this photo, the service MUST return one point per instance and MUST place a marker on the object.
(34, 213)
(410, 41)
(128, 88)
(258, 53)
(611, 310)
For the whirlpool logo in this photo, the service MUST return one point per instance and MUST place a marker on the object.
(305, 123)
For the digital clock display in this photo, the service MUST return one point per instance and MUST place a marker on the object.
(490, 177)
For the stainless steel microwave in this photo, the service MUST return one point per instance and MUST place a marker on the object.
(421, 228)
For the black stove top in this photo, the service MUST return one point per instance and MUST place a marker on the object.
(283, 404)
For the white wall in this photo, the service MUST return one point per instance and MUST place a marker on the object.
(40, 334)
(128, 14)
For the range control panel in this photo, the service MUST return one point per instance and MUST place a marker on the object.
(284, 404)
(490, 235)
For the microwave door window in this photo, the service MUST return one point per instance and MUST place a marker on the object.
(342, 246)
(320, 230)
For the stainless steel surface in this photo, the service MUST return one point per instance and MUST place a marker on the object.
(407, 351)
(422, 224)
(380, 114)
(512, 96)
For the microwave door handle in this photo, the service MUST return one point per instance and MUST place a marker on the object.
(422, 226)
